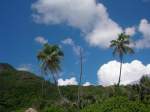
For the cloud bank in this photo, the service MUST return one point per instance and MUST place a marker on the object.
(108, 73)
(90, 17)
(66, 82)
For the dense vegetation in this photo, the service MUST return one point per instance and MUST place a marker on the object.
(118, 104)
(20, 90)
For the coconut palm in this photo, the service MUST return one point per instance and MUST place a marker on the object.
(121, 47)
(50, 58)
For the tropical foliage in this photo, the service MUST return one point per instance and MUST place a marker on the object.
(22, 90)
(121, 47)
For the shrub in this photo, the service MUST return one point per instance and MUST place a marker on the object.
(53, 109)
(117, 104)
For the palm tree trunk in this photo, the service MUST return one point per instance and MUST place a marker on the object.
(80, 80)
(121, 62)
(58, 89)
(42, 88)
(42, 84)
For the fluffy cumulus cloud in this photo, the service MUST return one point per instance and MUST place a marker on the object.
(70, 42)
(90, 17)
(66, 82)
(76, 13)
(144, 29)
(104, 30)
(130, 31)
(131, 72)
(87, 84)
(41, 40)
(103, 34)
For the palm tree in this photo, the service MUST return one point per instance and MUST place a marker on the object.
(50, 57)
(121, 47)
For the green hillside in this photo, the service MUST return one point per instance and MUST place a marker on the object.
(20, 90)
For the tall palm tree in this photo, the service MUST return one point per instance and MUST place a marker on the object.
(50, 58)
(121, 47)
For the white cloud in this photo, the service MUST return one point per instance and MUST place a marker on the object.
(105, 30)
(66, 82)
(144, 29)
(76, 13)
(130, 31)
(25, 67)
(90, 17)
(103, 33)
(108, 73)
(69, 41)
(41, 40)
(71, 81)
(87, 84)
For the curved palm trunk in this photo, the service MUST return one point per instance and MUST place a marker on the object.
(43, 88)
(80, 81)
(121, 62)
(58, 89)
(43, 81)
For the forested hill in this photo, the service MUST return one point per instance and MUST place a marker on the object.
(6, 67)
(20, 90)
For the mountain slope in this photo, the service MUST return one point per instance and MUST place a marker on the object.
(22, 89)
(5, 66)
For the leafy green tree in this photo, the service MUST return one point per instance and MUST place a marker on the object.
(50, 58)
(144, 87)
(121, 47)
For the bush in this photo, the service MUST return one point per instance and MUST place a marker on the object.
(53, 109)
(117, 104)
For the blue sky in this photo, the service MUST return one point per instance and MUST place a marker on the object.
(19, 29)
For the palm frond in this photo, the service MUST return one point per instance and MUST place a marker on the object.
(50, 58)
(129, 50)
(120, 45)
